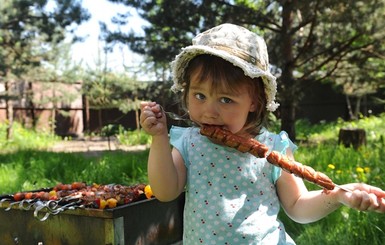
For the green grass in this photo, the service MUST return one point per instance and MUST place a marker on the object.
(344, 165)
(25, 165)
(31, 169)
(136, 137)
(320, 150)
(24, 139)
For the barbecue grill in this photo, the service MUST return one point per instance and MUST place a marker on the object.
(38, 222)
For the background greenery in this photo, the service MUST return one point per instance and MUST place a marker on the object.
(339, 42)
(25, 164)
(344, 165)
(309, 42)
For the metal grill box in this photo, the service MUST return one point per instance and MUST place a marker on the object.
(143, 222)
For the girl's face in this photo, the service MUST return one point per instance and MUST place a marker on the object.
(220, 106)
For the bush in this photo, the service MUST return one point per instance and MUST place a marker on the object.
(23, 138)
(136, 137)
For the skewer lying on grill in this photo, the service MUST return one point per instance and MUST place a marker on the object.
(260, 150)
(72, 196)
(96, 196)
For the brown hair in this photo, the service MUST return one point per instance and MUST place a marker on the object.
(224, 74)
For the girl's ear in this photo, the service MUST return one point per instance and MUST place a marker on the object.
(253, 107)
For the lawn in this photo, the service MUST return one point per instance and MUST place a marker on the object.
(26, 165)
(320, 150)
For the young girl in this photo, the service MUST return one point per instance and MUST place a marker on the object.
(233, 197)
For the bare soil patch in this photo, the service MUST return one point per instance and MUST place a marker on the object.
(94, 145)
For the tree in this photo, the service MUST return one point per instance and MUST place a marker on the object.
(338, 51)
(28, 29)
(307, 40)
(363, 74)
(105, 89)
(56, 80)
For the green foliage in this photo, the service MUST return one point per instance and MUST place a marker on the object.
(25, 139)
(111, 129)
(32, 169)
(126, 137)
(37, 26)
(136, 137)
(24, 165)
(343, 227)
(316, 133)
(30, 32)
(111, 90)
(308, 41)
(343, 165)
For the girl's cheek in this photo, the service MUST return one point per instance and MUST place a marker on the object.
(193, 111)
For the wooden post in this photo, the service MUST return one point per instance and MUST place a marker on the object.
(355, 137)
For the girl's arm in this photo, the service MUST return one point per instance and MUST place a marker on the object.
(305, 206)
(166, 169)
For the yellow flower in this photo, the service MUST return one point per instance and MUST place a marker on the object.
(367, 170)
(360, 170)
(331, 166)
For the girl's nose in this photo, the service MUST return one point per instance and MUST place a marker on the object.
(210, 110)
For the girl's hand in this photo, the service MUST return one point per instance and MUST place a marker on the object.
(363, 197)
(152, 118)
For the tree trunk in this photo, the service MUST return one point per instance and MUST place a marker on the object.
(354, 114)
(86, 113)
(31, 104)
(8, 111)
(53, 120)
(8, 108)
(53, 113)
(100, 121)
(288, 120)
(137, 119)
(349, 105)
(358, 107)
(288, 115)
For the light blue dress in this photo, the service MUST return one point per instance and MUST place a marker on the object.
(230, 196)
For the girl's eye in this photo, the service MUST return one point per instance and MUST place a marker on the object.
(226, 100)
(199, 96)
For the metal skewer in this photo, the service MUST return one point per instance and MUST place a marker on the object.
(347, 190)
(343, 188)
(175, 117)
(172, 115)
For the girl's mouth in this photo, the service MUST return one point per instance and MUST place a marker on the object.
(212, 125)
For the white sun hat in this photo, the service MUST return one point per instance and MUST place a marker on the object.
(235, 44)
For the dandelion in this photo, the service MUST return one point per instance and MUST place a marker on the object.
(331, 166)
(367, 170)
(360, 170)
(339, 171)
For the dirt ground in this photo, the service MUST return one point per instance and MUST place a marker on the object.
(96, 144)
